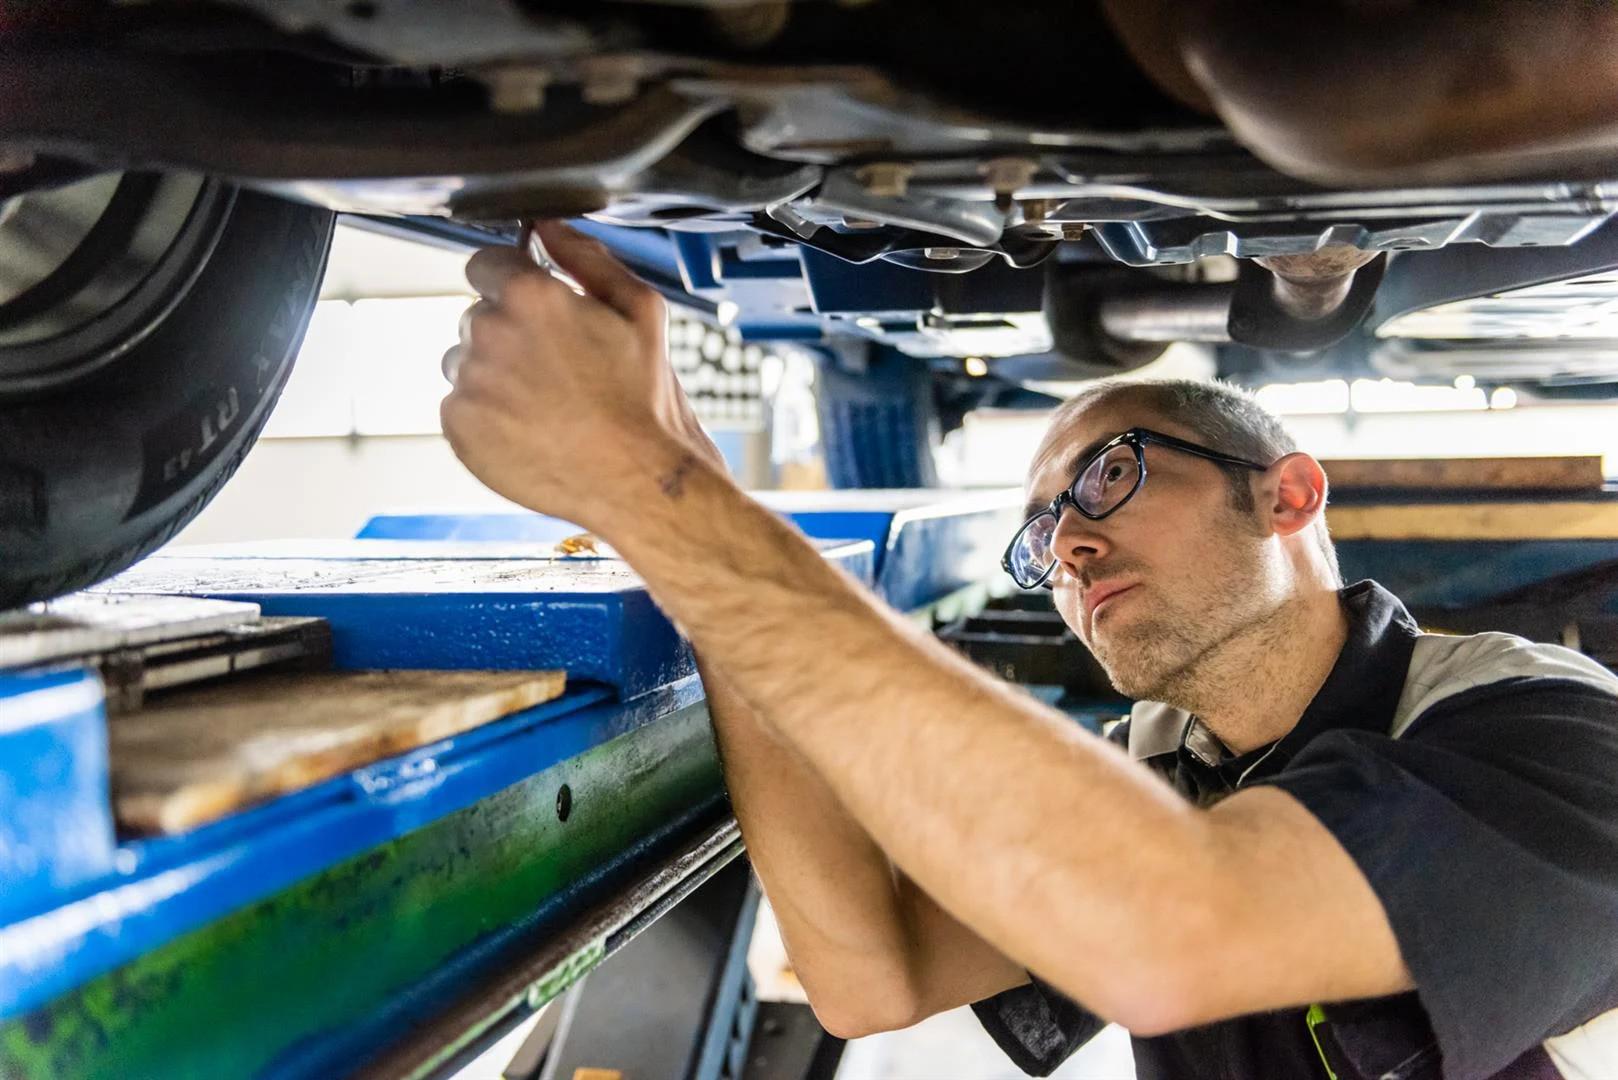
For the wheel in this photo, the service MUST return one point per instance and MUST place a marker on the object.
(878, 427)
(147, 325)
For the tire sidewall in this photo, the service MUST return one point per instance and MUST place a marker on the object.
(99, 474)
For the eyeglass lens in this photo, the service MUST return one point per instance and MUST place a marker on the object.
(1104, 485)
(1031, 555)
(1108, 481)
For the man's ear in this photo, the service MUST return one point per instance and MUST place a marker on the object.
(1296, 490)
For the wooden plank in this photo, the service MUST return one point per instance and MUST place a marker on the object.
(1474, 474)
(1476, 521)
(195, 755)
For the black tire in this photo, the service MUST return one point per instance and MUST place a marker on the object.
(879, 427)
(95, 474)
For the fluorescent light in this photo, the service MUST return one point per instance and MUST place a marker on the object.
(1305, 398)
(1391, 396)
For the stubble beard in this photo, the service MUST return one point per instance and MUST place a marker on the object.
(1177, 655)
(1153, 661)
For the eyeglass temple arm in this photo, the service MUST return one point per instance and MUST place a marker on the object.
(1201, 451)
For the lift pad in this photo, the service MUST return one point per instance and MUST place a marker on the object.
(140, 644)
(86, 625)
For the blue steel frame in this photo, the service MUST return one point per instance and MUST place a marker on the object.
(163, 887)
(90, 904)
(928, 543)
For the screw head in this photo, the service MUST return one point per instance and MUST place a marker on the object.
(1006, 174)
(885, 179)
(517, 90)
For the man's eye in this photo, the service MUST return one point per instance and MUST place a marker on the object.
(1113, 474)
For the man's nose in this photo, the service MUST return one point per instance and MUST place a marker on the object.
(1078, 541)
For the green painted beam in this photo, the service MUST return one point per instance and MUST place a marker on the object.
(253, 993)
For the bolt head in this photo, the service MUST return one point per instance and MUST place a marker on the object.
(885, 179)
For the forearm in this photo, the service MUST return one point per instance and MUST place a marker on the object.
(831, 886)
(872, 951)
(931, 756)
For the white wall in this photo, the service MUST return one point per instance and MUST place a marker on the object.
(995, 448)
(329, 487)
(1526, 430)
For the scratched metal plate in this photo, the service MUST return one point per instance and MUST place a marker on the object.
(86, 623)
(443, 605)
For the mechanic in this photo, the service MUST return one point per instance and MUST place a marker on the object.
(1334, 846)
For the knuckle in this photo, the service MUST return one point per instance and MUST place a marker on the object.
(477, 266)
(473, 378)
(527, 290)
(483, 328)
(647, 304)
(449, 416)
(487, 270)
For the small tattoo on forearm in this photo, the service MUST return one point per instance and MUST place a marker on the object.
(673, 484)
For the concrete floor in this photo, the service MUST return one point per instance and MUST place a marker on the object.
(954, 1046)
(950, 1046)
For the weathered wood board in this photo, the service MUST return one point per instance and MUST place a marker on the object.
(1468, 474)
(192, 756)
(1547, 520)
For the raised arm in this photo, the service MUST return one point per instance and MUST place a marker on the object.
(872, 950)
(1046, 841)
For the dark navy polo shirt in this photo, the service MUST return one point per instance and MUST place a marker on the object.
(1474, 780)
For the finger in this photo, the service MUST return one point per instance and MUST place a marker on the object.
(483, 312)
(589, 263)
(448, 411)
(492, 270)
(450, 364)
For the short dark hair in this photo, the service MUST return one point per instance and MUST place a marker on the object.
(1221, 415)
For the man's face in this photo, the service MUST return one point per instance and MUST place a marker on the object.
(1156, 587)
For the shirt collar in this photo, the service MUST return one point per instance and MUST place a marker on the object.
(1362, 690)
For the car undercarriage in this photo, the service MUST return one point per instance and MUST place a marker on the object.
(1059, 190)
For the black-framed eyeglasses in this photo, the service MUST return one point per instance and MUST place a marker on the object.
(1108, 480)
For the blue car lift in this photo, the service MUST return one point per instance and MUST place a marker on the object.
(397, 918)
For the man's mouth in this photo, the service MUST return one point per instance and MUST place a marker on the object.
(1099, 594)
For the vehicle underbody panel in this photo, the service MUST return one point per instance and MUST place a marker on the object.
(1128, 150)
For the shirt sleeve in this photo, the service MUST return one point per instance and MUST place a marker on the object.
(1490, 834)
(1036, 1026)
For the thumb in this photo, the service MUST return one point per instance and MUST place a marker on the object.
(602, 276)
